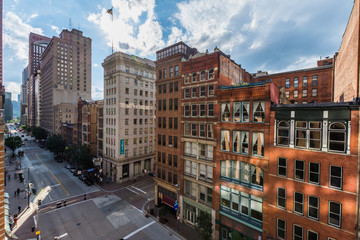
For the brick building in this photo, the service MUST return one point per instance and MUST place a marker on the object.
(313, 171)
(304, 85)
(169, 81)
(242, 159)
(202, 72)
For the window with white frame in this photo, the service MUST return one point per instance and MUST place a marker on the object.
(287, 83)
(334, 214)
(202, 110)
(187, 131)
(311, 235)
(225, 112)
(211, 73)
(210, 131)
(314, 172)
(258, 144)
(282, 166)
(259, 111)
(202, 132)
(190, 168)
(280, 229)
(187, 78)
(298, 233)
(335, 177)
(187, 92)
(283, 133)
(202, 75)
(194, 77)
(313, 207)
(205, 172)
(314, 92)
(308, 134)
(287, 94)
(210, 110)
(241, 142)
(281, 197)
(299, 170)
(314, 80)
(193, 130)
(337, 137)
(305, 81)
(299, 203)
(211, 90)
(296, 93)
(225, 140)
(194, 110)
(202, 91)
(194, 92)
(187, 110)
(304, 93)
(296, 82)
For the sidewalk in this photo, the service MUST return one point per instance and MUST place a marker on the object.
(113, 186)
(185, 231)
(13, 184)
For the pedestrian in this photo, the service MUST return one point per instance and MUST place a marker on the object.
(18, 191)
(15, 220)
(19, 208)
(15, 193)
(9, 177)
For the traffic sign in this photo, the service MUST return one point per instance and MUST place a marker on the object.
(122, 146)
(176, 205)
(37, 232)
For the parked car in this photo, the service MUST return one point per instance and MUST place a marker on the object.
(68, 166)
(76, 172)
(72, 170)
(89, 182)
(82, 177)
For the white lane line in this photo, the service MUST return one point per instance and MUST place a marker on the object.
(61, 236)
(55, 185)
(35, 220)
(50, 197)
(139, 189)
(133, 191)
(42, 182)
(138, 230)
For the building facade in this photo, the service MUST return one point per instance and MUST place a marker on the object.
(313, 171)
(242, 159)
(100, 128)
(129, 116)
(23, 96)
(8, 107)
(65, 75)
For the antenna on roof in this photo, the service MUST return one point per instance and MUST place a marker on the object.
(70, 24)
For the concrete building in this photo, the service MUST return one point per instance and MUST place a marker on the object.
(129, 114)
(169, 81)
(87, 124)
(203, 73)
(100, 128)
(37, 45)
(23, 96)
(8, 107)
(33, 104)
(66, 76)
(304, 85)
(241, 186)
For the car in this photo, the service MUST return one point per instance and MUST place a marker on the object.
(82, 177)
(22, 135)
(68, 166)
(72, 170)
(76, 172)
(89, 182)
(25, 139)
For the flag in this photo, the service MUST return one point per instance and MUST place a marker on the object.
(110, 11)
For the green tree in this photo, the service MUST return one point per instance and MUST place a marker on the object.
(13, 143)
(39, 133)
(85, 157)
(56, 144)
(72, 154)
(204, 225)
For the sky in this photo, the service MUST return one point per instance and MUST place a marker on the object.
(268, 35)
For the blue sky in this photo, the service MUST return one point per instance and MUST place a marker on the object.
(269, 35)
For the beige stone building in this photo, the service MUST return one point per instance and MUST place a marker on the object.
(66, 76)
(129, 116)
(100, 128)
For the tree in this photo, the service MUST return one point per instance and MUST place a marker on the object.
(85, 157)
(13, 143)
(204, 225)
(56, 144)
(39, 133)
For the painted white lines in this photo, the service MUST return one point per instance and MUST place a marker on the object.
(139, 189)
(133, 191)
(55, 185)
(138, 230)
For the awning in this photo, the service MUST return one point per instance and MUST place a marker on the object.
(6, 195)
(168, 201)
(19, 171)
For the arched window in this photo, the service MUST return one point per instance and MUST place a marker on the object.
(202, 75)
(283, 132)
(337, 137)
(211, 73)
(194, 75)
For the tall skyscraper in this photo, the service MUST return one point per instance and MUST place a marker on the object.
(65, 75)
(23, 96)
(129, 114)
(8, 107)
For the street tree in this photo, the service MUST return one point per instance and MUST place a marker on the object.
(204, 225)
(72, 154)
(56, 144)
(13, 143)
(39, 133)
(85, 157)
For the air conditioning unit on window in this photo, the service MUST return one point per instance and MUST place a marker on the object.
(170, 145)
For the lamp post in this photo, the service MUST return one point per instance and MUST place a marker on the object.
(177, 209)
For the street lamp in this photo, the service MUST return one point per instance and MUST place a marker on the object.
(177, 209)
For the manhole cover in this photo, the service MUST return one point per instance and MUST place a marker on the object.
(78, 224)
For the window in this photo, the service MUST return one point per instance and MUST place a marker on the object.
(314, 173)
(164, 72)
(171, 71)
(313, 207)
(202, 75)
(211, 73)
(287, 83)
(298, 203)
(193, 130)
(296, 82)
(187, 129)
(170, 123)
(281, 197)
(187, 92)
(175, 142)
(241, 142)
(176, 87)
(170, 104)
(175, 123)
(283, 133)
(312, 235)
(187, 110)
(299, 170)
(304, 93)
(236, 111)
(225, 140)
(296, 94)
(194, 77)
(308, 134)
(210, 131)
(176, 70)
(176, 105)
(282, 165)
(210, 110)
(187, 78)
(337, 137)
(305, 81)
(171, 87)
(225, 112)
(259, 111)
(287, 94)
(314, 92)
(164, 88)
(202, 130)
(202, 91)
(334, 214)
(211, 90)
(280, 229)
(335, 177)
(314, 80)
(258, 144)
(194, 92)
(193, 110)
(202, 110)
(163, 122)
(297, 233)
(164, 105)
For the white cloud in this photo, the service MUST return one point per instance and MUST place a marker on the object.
(95, 65)
(16, 34)
(97, 93)
(14, 88)
(300, 63)
(55, 28)
(32, 16)
(129, 31)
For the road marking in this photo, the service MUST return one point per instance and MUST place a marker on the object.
(139, 189)
(62, 186)
(61, 236)
(35, 220)
(138, 230)
(55, 185)
(133, 191)
(50, 197)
